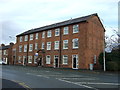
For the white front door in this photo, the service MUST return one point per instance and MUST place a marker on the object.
(75, 61)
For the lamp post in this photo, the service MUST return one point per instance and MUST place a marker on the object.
(104, 52)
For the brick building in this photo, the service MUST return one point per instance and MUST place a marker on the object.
(75, 43)
(6, 53)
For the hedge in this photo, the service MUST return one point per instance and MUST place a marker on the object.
(113, 65)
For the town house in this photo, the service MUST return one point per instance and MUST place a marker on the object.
(74, 43)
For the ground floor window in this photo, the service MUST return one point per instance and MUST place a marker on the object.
(19, 59)
(65, 59)
(29, 59)
(48, 59)
(35, 59)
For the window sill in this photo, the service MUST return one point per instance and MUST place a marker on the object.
(65, 48)
(75, 48)
(64, 64)
(75, 32)
(47, 64)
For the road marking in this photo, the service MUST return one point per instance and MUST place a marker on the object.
(38, 75)
(21, 84)
(78, 84)
(98, 83)
(77, 78)
(47, 71)
(42, 76)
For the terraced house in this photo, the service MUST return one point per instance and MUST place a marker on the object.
(75, 43)
(6, 53)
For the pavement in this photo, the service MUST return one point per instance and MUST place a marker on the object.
(39, 77)
(8, 84)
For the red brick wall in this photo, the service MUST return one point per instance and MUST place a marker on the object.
(90, 43)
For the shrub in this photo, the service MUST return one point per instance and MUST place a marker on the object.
(112, 66)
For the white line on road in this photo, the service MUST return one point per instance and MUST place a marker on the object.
(98, 83)
(42, 76)
(80, 78)
(78, 84)
(38, 75)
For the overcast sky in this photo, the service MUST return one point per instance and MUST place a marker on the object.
(17, 16)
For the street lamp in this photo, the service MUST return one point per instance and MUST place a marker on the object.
(104, 52)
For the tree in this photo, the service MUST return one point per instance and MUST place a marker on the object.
(112, 41)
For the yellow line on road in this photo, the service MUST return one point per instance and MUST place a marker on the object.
(22, 84)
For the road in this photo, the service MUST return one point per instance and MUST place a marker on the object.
(38, 77)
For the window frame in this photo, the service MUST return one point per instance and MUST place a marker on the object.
(64, 60)
(64, 29)
(30, 47)
(43, 45)
(36, 46)
(65, 44)
(19, 59)
(20, 48)
(49, 33)
(36, 36)
(31, 37)
(5, 52)
(56, 45)
(48, 60)
(57, 32)
(48, 45)
(75, 28)
(73, 41)
(26, 38)
(21, 38)
(25, 48)
(43, 34)
(30, 61)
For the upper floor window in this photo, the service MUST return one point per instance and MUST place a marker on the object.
(36, 46)
(20, 38)
(48, 45)
(48, 59)
(56, 45)
(5, 52)
(26, 38)
(20, 48)
(25, 48)
(65, 59)
(29, 59)
(31, 36)
(49, 34)
(65, 44)
(36, 36)
(75, 28)
(30, 47)
(43, 45)
(75, 43)
(57, 32)
(65, 31)
(43, 34)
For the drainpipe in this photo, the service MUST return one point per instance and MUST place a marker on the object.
(60, 47)
(27, 51)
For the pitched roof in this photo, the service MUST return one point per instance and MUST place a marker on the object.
(5, 47)
(67, 22)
